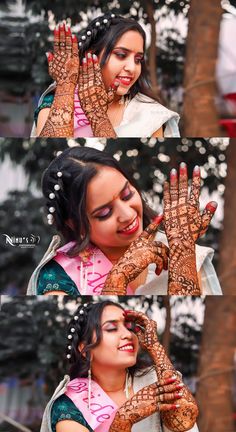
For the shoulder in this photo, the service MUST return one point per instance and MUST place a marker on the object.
(139, 99)
(64, 409)
(52, 277)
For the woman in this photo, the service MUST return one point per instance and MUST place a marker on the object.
(110, 388)
(101, 215)
(103, 90)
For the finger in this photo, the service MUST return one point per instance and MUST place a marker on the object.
(183, 183)
(135, 315)
(49, 56)
(166, 197)
(112, 91)
(90, 70)
(206, 217)
(62, 35)
(174, 195)
(80, 83)
(167, 397)
(56, 39)
(68, 40)
(195, 187)
(167, 407)
(151, 229)
(75, 51)
(169, 388)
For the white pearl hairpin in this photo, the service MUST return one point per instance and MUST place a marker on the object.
(83, 37)
(97, 23)
(57, 187)
(51, 195)
(51, 209)
(89, 33)
(59, 174)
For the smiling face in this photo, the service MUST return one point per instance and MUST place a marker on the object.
(124, 62)
(119, 346)
(114, 210)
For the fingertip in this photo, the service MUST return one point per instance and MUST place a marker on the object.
(158, 219)
(212, 206)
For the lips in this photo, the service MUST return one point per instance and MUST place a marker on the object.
(125, 80)
(131, 228)
(127, 348)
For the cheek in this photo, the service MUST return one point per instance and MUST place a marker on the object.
(101, 230)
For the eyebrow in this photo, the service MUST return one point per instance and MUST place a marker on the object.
(109, 203)
(115, 321)
(128, 50)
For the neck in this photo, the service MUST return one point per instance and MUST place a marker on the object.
(110, 381)
(114, 254)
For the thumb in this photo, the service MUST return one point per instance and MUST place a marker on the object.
(49, 56)
(151, 229)
(206, 217)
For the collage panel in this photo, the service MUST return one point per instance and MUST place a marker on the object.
(83, 235)
(117, 203)
(79, 359)
(155, 68)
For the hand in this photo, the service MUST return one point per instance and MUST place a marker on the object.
(183, 225)
(63, 64)
(93, 96)
(143, 251)
(150, 399)
(145, 328)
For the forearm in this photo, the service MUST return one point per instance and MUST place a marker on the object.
(60, 121)
(115, 284)
(183, 278)
(184, 417)
(101, 125)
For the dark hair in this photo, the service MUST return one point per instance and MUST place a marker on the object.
(78, 166)
(82, 328)
(105, 36)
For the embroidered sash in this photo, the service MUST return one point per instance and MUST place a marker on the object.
(82, 126)
(102, 408)
(87, 270)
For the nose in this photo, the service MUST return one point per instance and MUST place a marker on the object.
(126, 334)
(130, 65)
(125, 212)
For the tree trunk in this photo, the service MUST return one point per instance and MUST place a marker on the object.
(148, 6)
(200, 117)
(214, 391)
(227, 260)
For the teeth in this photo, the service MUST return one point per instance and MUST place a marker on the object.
(125, 79)
(132, 225)
(127, 347)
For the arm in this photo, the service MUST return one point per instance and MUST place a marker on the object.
(94, 98)
(63, 68)
(138, 256)
(150, 399)
(184, 417)
(70, 426)
(184, 224)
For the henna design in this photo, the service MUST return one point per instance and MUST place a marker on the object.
(184, 224)
(64, 69)
(138, 256)
(145, 402)
(94, 98)
(184, 417)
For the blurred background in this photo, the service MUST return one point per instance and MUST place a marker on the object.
(198, 335)
(191, 57)
(149, 161)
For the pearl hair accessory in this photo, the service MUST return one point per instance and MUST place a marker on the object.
(51, 195)
(73, 329)
(57, 187)
(59, 174)
(51, 209)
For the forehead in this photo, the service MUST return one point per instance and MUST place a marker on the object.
(131, 40)
(111, 313)
(107, 183)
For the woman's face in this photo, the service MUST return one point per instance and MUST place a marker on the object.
(124, 62)
(114, 210)
(119, 346)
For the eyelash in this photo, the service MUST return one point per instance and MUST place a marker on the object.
(125, 198)
(122, 56)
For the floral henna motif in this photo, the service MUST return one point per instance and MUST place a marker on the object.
(138, 256)
(94, 98)
(184, 417)
(183, 225)
(145, 402)
(64, 69)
